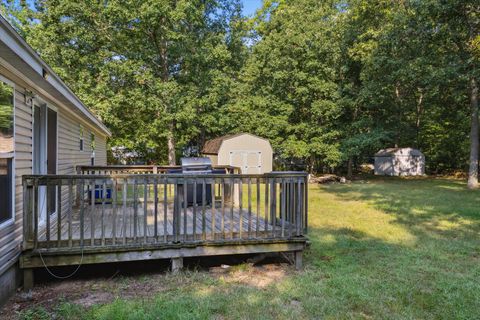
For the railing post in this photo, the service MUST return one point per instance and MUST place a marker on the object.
(79, 172)
(27, 215)
(305, 199)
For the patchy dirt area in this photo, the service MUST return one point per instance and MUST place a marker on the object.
(254, 276)
(88, 292)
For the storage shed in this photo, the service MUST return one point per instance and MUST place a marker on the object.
(251, 153)
(399, 162)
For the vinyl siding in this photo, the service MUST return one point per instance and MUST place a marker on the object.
(69, 156)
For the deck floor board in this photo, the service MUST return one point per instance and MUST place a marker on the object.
(125, 221)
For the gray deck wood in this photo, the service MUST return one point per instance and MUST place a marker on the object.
(124, 221)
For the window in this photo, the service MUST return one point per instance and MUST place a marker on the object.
(6, 118)
(81, 138)
(6, 186)
(6, 151)
(92, 146)
(92, 142)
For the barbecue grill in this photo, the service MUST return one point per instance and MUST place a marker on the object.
(196, 165)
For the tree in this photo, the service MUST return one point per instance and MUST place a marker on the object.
(289, 83)
(147, 68)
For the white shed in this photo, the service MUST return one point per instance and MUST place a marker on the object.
(399, 162)
(251, 153)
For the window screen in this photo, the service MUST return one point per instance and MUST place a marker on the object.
(6, 118)
(92, 146)
(6, 186)
(81, 138)
(6, 151)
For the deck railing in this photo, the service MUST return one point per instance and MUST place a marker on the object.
(142, 169)
(118, 210)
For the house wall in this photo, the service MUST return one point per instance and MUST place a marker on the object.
(11, 234)
(69, 155)
(232, 153)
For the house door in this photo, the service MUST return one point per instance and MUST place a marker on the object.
(45, 155)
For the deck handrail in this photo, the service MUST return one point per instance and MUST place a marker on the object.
(110, 169)
(130, 209)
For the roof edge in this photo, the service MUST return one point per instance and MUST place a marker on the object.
(54, 79)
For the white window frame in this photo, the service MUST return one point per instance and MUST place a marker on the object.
(93, 146)
(81, 134)
(44, 105)
(11, 155)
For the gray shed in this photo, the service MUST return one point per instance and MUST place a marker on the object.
(399, 162)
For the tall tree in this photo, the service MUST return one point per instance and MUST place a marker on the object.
(289, 82)
(147, 68)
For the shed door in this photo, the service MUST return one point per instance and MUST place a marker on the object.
(249, 161)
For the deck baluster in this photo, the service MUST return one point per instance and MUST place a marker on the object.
(283, 206)
(213, 208)
(114, 211)
(104, 195)
(145, 209)
(267, 205)
(124, 213)
(223, 208)
(165, 211)
(204, 203)
(135, 209)
(92, 212)
(249, 196)
(185, 205)
(257, 216)
(273, 207)
(59, 213)
(69, 213)
(194, 204)
(155, 207)
(232, 203)
(82, 212)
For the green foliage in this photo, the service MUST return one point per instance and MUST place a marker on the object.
(325, 81)
(6, 109)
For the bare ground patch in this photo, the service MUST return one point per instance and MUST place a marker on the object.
(89, 292)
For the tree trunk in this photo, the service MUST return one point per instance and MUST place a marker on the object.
(350, 169)
(474, 136)
(398, 128)
(171, 146)
(419, 115)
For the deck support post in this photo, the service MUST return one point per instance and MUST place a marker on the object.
(177, 264)
(27, 279)
(298, 257)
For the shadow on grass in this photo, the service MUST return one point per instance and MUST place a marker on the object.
(441, 206)
(352, 270)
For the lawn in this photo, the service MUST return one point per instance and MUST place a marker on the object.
(380, 248)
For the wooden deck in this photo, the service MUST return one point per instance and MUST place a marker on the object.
(142, 219)
(124, 225)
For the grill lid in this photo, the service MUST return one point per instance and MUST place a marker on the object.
(196, 165)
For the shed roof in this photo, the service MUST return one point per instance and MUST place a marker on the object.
(213, 146)
(388, 152)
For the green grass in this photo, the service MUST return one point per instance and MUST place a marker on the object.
(381, 249)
